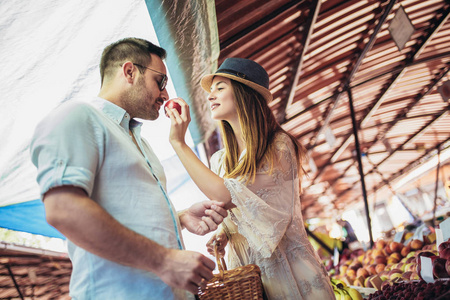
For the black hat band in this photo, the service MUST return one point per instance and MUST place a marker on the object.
(232, 72)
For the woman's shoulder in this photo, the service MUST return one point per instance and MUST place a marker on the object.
(217, 159)
(218, 154)
(282, 140)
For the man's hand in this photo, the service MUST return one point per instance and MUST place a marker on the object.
(203, 217)
(186, 270)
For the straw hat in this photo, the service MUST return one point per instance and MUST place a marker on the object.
(243, 70)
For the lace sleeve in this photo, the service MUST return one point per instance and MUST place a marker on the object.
(265, 208)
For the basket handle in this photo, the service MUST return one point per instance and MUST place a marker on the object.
(220, 260)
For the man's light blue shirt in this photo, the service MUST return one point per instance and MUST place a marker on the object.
(87, 144)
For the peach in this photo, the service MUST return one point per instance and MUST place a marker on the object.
(416, 244)
(379, 268)
(376, 252)
(367, 260)
(391, 261)
(355, 265)
(405, 251)
(395, 273)
(380, 259)
(387, 249)
(410, 267)
(396, 247)
(361, 272)
(351, 274)
(380, 244)
(402, 266)
(396, 255)
(371, 269)
(411, 254)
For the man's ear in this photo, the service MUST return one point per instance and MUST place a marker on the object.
(129, 71)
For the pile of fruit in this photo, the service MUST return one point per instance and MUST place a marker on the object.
(417, 290)
(391, 263)
(344, 292)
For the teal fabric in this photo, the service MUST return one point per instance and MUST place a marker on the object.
(188, 32)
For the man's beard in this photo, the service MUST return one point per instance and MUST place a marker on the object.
(139, 102)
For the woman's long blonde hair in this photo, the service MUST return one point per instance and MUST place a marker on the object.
(259, 128)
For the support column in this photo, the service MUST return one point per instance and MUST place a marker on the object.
(360, 166)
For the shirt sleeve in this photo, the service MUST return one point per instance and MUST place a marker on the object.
(264, 209)
(65, 148)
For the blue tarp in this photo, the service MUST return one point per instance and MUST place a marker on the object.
(27, 217)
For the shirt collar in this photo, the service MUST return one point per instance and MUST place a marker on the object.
(116, 113)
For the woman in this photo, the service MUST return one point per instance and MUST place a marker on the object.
(257, 175)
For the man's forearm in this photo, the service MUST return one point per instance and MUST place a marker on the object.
(90, 227)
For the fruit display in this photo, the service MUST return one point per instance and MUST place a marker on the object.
(416, 290)
(390, 263)
(343, 291)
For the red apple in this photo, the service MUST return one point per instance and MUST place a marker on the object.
(444, 250)
(172, 104)
(423, 253)
(439, 267)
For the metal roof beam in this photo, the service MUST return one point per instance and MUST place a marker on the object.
(394, 80)
(422, 130)
(408, 61)
(344, 85)
(258, 24)
(308, 29)
(411, 166)
(403, 116)
(394, 71)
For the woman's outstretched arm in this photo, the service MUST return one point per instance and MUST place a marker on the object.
(207, 181)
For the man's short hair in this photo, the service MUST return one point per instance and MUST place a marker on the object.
(128, 49)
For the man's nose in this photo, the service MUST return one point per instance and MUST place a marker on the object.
(164, 95)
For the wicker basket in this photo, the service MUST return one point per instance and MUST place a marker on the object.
(242, 283)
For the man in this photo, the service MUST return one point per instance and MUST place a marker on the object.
(104, 188)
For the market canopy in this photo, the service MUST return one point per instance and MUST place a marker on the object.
(390, 59)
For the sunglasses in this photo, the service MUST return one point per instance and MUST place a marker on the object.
(161, 84)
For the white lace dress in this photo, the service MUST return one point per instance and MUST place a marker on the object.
(266, 228)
